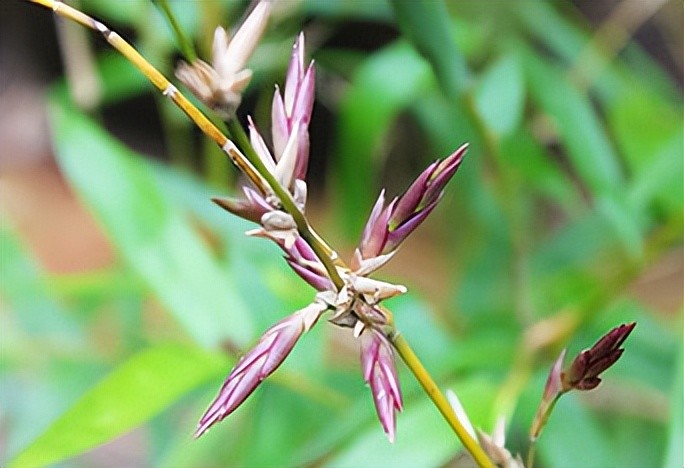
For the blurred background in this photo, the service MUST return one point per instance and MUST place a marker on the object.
(126, 295)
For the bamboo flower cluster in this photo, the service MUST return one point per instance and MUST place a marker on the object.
(357, 303)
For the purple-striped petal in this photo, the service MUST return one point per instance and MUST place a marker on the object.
(303, 105)
(317, 280)
(260, 147)
(295, 71)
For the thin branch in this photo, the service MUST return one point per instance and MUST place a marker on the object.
(438, 398)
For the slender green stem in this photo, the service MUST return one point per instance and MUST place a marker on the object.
(537, 429)
(438, 398)
(529, 463)
(185, 44)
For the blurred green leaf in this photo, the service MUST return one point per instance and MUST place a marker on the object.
(349, 10)
(574, 437)
(427, 25)
(500, 95)
(662, 182)
(537, 170)
(625, 222)
(577, 125)
(383, 85)
(649, 132)
(423, 438)
(33, 308)
(448, 126)
(569, 39)
(674, 455)
(156, 241)
(134, 392)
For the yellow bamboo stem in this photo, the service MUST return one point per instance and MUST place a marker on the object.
(440, 401)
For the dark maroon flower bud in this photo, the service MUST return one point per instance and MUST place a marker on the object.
(583, 373)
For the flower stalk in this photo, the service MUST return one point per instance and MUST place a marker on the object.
(425, 379)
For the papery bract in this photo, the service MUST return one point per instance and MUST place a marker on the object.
(220, 85)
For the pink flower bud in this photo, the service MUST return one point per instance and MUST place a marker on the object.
(388, 227)
(377, 363)
(251, 208)
(272, 349)
(291, 113)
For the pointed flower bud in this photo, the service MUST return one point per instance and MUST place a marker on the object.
(387, 228)
(221, 84)
(377, 363)
(291, 114)
(251, 208)
(583, 373)
(272, 349)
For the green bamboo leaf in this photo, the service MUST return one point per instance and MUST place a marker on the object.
(500, 95)
(427, 25)
(577, 124)
(136, 391)
(151, 235)
(383, 85)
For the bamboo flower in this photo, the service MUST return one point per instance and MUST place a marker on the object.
(388, 226)
(273, 347)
